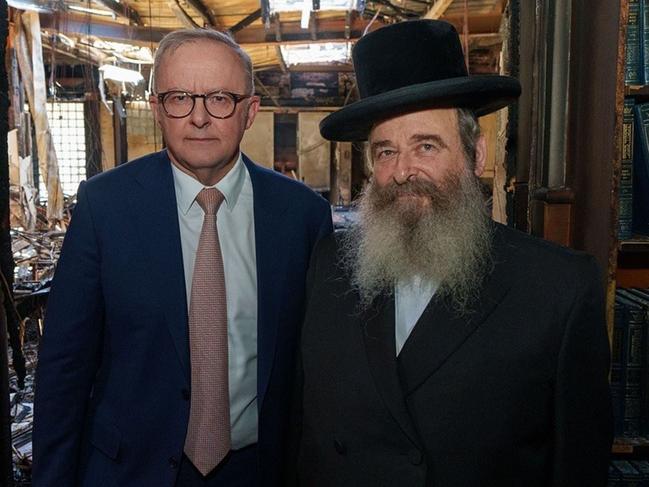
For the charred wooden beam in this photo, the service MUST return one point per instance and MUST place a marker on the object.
(119, 131)
(79, 24)
(245, 22)
(438, 9)
(182, 16)
(203, 11)
(278, 27)
(122, 10)
(280, 58)
(313, 26)
(6, 261)
(348, 23)
(264, 6)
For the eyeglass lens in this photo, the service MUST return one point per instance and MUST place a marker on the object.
(180, 104)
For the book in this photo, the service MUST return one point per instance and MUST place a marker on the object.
(640, 209)
(632, 61)
(614, 476)
(632, 368)
(629, 476)
(617, 361)
(644, 40)
(625, 193)
(642, 466)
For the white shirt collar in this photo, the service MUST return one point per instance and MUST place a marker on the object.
(187, 187)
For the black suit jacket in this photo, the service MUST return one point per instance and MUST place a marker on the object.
(514, 394)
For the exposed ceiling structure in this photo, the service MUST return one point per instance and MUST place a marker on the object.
(127, 31)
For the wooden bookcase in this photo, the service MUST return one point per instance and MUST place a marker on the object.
(595, 120)
(595, 135)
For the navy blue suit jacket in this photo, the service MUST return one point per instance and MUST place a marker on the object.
(112, 383)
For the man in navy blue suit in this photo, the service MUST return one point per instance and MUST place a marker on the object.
(115, 379)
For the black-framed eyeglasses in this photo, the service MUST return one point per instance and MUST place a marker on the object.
(219, 104)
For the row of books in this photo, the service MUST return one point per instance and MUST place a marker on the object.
(630, 363)
(636, 70)
(633, 216)
(634, 473)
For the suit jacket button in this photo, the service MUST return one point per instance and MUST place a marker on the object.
(340, 447)
(186, 395)
(415, 457)
(173, 463)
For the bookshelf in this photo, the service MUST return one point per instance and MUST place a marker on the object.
(595, 129)
(633, 253)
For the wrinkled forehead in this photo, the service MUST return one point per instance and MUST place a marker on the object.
(440, 122)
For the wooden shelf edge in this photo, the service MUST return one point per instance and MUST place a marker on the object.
(632, 277)
(629, 445)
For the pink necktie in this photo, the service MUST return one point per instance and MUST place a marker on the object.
(208, 433)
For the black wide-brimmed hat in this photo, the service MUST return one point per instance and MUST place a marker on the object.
(412, 66)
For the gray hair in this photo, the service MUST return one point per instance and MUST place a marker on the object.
(469, 128)
(174, 40)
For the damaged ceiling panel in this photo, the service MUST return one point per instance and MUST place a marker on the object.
(94, 30)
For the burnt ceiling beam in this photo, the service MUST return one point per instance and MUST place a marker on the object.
(203, 11)
(243, 23)
(313, 26)
(182, 16)
(348, 23)
(290, 32)
(278, 27)
(264, 5)
(122, 10)
(438, 9)
(280, 58)
(79, 25)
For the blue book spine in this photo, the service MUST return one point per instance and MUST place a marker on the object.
(614, 476)
(617, 370)
(641, 169)
(639, 298)
(632, 368)
(625, 193)
(644, 29)
(630, 476)
(632, 68)
(642, 466)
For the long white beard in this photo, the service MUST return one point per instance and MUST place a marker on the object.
(446, 238)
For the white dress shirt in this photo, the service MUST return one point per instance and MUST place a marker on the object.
(411, 297)
(235, 223)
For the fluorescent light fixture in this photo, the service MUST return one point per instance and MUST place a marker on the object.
(299, 5)
(27, 6)
(93, 11)
(322, 53)
(120, 74)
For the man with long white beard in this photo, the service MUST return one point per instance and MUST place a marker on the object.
(440, 348)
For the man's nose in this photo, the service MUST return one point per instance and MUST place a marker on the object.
(199, 116)
(405, 169)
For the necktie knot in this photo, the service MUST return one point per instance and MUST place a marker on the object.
(210, 199)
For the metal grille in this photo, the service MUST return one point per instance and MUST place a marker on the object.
(69, 136)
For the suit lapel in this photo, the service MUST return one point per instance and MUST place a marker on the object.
(378, 334)
(161, 229)
(269, 235)
(440, 331)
